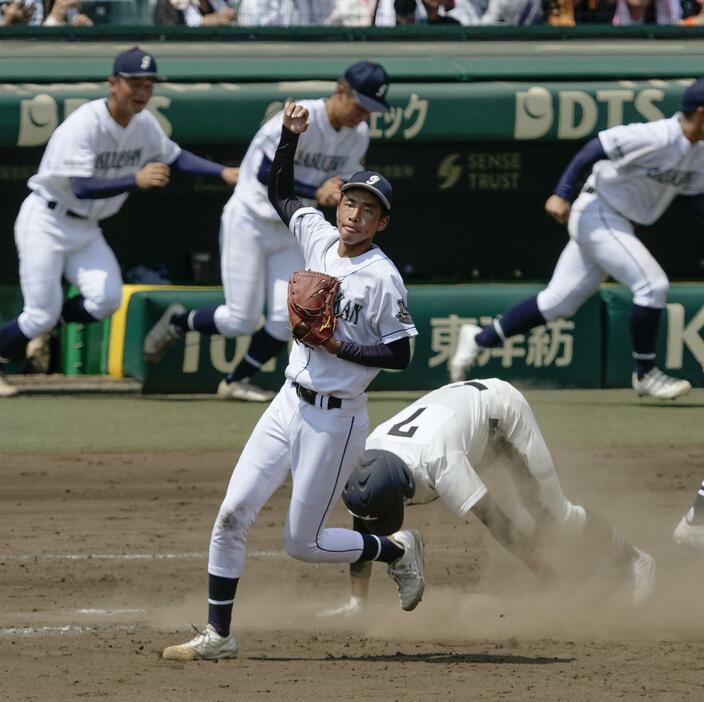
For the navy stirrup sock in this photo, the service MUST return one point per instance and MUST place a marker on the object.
(380, 548)
(12, 341)
(262, 347)
(74, 310)
(221, 598)
(202, 320)
(519, 319)
(644, 322)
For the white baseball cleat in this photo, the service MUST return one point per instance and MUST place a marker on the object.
(408, 571)
(208, 645)
(351, 609)
(6, 390)
(655, 383)
(38, 353)
(466, 352)
(688, 534)
(163, 335)
(643, 569)
(244, 391)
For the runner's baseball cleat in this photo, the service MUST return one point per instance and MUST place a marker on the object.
(466, 353)
(408, 571)
(657, 384)
(163, 335)
(243, 390)
(6, 390)
(643, 569)
(688, 534)
(208, 645)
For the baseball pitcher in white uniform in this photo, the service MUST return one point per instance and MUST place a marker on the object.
(637, 170)
(315, 428)
(101, 152)
(434, 448)
(258, 254)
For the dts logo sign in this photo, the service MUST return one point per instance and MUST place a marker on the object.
(576, 114)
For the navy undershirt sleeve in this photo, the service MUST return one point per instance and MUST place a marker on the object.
(97, 188)
(188, 162)
(302, 189)
(395, 355)
(585, 158)
(280, 189)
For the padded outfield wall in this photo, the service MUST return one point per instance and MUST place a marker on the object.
(479, 133)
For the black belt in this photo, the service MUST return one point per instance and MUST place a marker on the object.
(589, 189)
(310, 396)
(51, 204)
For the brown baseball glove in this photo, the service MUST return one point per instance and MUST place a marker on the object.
(311, 306)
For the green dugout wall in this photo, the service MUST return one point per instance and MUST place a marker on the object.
(592, 349)
(482, 124)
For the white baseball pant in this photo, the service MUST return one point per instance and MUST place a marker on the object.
(602, 243)
(52, 245)
(258, 257)
(318, 448)
(516, 423)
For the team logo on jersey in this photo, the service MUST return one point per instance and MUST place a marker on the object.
(349, 311)
(403, 316)
(321, 162)
(117, 159)
(373, 180)
(672, 177)
(146, 62)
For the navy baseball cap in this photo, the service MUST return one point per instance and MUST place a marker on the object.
(373, 182)
(370, 83)
(135, 63)
(693, 97)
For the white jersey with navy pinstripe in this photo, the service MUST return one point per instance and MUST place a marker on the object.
(648, 166)
(372, 306)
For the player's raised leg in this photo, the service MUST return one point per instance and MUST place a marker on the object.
(608, 238)
(575, 278)
(690, 530)
(599, 545)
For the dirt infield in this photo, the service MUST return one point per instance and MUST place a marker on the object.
(102, 564)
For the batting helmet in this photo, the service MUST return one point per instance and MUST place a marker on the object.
(376, 489)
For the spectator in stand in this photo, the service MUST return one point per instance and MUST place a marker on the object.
(60, 13)
(286, 13)
(363, 13)
(19, 12)
(193, 13)
(647, 12)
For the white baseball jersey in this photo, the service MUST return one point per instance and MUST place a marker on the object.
(443, 435)
(439, 437)
(91, 143)
(649, 165)
(322, 152)
(371, 307)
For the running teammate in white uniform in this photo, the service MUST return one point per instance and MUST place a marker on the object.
(103, 150)
(315, 428)
(431, 449)
(258, 254)
(638, 170)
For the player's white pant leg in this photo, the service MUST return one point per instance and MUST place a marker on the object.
(519, 427)
(280, 266)
(264, 465)
(41, 258)
(608, 239)
(575, 278)
(243, 271)
(324, 452)
(96, 272)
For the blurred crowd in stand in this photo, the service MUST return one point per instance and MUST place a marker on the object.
(349, 13)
